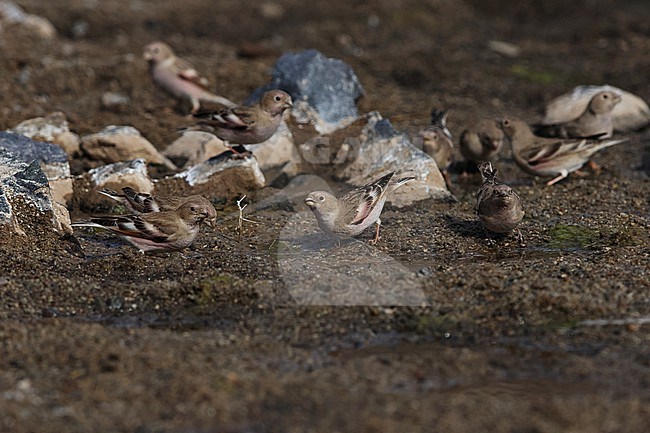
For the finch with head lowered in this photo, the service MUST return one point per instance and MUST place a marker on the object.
(171, 230)
(548, 157)
(498, 206)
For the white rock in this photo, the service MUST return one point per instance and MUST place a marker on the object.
(194, 147)
(128, 173)
(52, 128)
(218, 177)
(122, 143)
(631, 114)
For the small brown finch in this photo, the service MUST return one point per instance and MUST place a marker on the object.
(248, 124)
(498, 206)
(547, 157)
(171, 230)
(437, 142)
(355, 211)
(481, 141)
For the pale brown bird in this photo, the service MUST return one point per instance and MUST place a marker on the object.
(437, 141)
(595, 122)
(179, 78)
(547, 157)
(171, 230)
(481, 141)
(355, 211)
(631, 114)
(248, 124)
(498, 206)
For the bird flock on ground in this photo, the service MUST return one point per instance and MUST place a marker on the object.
(552, 150)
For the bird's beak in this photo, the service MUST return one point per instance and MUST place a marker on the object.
(147, 56)
(310, 202)
(288, 104)
(210, 219)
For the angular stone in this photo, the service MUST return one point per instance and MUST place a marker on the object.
(122, 143)
(631, 114)
(26, 205)
(369, 148)
(52, 128)
(51, 158)
(324, 90)
(115, 176)
(277, 150)
(194, 147)
(218, 177)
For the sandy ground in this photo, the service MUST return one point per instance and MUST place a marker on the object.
(96, 337)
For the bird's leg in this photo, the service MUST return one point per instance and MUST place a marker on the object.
(594, 167)
(196, 105)
(562, 175)
(377, 237)
(238, 150)
(521, 238)
(447, 178)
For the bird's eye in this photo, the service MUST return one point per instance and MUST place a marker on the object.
(321, 198)
(156, 50)
(277, 98)
(605, 96)
(192, 208)
(506, 122)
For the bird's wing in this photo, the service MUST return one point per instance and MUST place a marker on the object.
(366, 198)
(556, 150)
(140, 201)
(136, 227)
(186, 71)
(239, 118)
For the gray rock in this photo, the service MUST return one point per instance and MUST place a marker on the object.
(26, 204)
(218, 177)
(28, 150)
(369, 148)
(324, 90)
(52, 159)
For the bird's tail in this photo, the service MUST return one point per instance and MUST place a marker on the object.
(401, 178)
(439, 121)
(219, 100)
(606, 144)
(488, 173)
